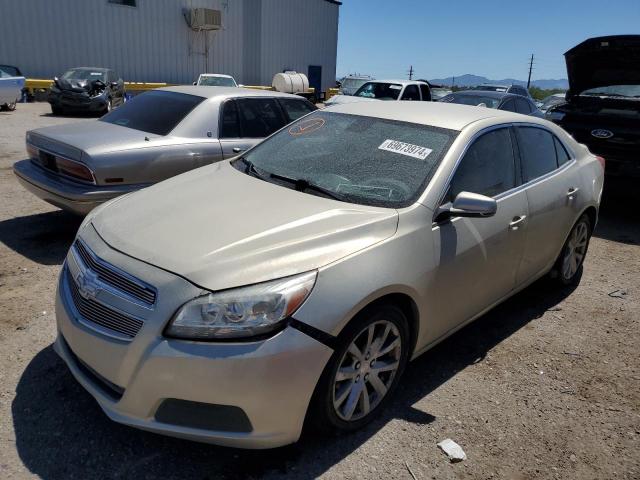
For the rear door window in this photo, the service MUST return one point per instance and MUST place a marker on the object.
(295, 109)
(411, 92)
(259, 117)
(229, 120)
(509, 106)
(426, 93)
(488, 167)
(537, 151)
(522, 106)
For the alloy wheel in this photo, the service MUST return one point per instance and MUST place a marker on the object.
(366, 370)
(575, 250)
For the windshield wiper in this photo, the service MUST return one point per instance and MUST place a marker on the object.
(302, 185)
(250, 168)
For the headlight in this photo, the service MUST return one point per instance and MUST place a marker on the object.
(242, 312)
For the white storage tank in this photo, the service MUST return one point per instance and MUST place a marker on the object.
(290, 82)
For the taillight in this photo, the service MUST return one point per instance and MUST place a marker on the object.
(32, 151)
(74, 169)
(601, 160)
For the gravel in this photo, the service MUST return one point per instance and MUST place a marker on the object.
(544, 386)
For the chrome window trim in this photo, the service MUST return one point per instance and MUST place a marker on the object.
(116, 292)
(75, 179)
(512, 191)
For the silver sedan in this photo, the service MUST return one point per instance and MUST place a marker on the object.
(155, 136)
(230, 303)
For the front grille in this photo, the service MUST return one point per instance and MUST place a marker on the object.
(94, 312)
(114, 278)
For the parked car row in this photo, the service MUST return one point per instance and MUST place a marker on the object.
(290, 279)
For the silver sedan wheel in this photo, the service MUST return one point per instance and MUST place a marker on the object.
(575, 250)
(367, 370)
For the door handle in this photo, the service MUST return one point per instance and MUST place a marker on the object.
(571, 194)
(237, 149)
(516, 222)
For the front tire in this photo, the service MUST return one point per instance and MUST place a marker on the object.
(363, 372)
(11, 106)
(568, 267)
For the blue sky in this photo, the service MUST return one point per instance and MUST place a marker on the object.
(484, 37)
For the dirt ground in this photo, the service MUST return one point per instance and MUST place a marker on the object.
(547, 385)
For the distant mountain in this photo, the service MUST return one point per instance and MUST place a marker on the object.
(469, 80)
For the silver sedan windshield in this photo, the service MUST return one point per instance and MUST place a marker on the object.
(359, 159)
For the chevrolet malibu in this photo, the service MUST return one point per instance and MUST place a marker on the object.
(155, 136)
(232, 303)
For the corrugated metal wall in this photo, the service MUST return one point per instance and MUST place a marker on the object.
(296, 34)
(152, 43)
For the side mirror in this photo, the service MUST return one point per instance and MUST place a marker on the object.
(467, 204)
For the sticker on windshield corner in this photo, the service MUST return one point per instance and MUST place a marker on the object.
(415, 151)
(306, 126)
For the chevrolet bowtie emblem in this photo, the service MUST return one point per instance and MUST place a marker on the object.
(88, 285)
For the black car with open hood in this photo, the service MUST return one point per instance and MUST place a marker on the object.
(602, 108)
(86, 89)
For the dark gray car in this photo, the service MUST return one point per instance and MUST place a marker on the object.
(87, 90)
(499, 100)
(155, 136)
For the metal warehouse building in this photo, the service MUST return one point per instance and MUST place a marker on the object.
(152, 40)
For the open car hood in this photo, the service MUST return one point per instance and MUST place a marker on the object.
(221, 228)
(602, 61)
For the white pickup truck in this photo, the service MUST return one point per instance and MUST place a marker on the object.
(11, 85)
(410, 90)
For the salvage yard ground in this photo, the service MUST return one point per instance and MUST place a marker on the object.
(545, 386)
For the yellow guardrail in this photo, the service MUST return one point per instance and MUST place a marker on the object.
(332, 92)
(40, 83)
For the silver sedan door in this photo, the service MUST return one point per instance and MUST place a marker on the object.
(477, 258)
(553, 193)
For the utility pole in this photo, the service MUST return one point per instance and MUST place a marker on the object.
(530, 69)
(453, 81)
(411, 72)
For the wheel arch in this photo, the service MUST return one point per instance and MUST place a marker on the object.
(404, 302)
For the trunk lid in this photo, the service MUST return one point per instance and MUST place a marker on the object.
(603, 61)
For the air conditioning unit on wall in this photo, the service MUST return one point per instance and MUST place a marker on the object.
(204, 19)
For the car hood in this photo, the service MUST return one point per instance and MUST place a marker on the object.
(602, 61)
(221, 228)
(93, 137)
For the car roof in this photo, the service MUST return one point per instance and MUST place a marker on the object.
(487, 93)
(436, 114)
(215, 75)
(500, 85)
(97, 69)
(212, 92)
(402, 82)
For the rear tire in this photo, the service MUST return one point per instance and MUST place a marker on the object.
(568, 267)
(11, 106)
(363, 372)
(57, 110)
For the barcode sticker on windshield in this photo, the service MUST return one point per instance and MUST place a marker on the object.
(415, 151)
